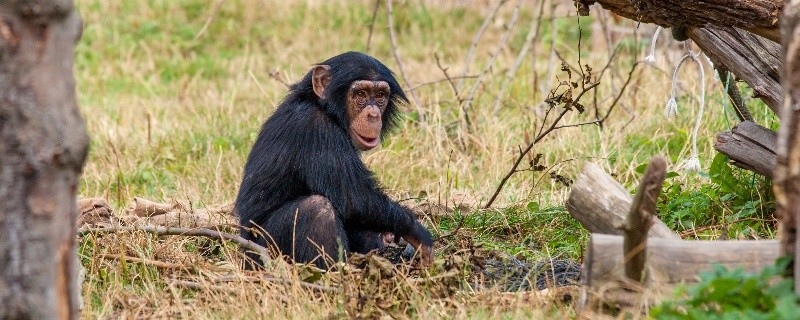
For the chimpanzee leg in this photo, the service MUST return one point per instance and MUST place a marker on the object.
(366, 241)
(307, 230)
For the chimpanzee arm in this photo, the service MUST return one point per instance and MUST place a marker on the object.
(333, 168)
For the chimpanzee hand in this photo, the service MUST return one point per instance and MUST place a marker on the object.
(423, 242)
(388, 238)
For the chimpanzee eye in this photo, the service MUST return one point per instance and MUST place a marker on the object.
(362, 94)
(379, 95)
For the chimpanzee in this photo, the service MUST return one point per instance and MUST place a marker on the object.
(305, 190)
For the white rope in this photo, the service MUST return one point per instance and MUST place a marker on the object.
(651, 58)
(693, 163)
(671, 109)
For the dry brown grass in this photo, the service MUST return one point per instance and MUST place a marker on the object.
(173, 117)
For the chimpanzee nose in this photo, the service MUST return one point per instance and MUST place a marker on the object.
(373, 114)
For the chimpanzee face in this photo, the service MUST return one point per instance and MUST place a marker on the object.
(366, 102)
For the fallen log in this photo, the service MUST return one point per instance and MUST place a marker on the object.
(749, 146)
(600, 204)
(670, 262)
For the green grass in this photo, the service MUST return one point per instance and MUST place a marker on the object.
(172, 114)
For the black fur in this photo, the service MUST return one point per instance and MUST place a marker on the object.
(304, 178)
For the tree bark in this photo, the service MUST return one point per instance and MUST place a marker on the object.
(723, 38)
(786, 178)
(757, 16)
(43, 145)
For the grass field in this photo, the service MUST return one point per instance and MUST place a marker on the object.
(174, 93)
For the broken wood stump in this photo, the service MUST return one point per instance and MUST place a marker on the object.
(640, 219)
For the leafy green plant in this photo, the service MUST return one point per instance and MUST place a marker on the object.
(735, 294)
(732, 199)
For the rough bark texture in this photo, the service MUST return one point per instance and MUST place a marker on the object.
(640, 218)
(600, 204)
(749, 146)
(751, 58)
(786, 178)
(43, 145)
(757, 16)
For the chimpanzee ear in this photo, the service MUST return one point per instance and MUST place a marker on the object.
(320, 78)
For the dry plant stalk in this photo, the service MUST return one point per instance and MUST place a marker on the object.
(543, 132)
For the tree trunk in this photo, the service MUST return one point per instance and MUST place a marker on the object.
(43, 145)
(786, 177)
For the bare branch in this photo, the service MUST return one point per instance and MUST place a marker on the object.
(442, 80)
(477, 38)
(195, 232)
(449, 80)
(372, 23)
(415, 100)
(539, 137)
(468, 101)
(533, 33)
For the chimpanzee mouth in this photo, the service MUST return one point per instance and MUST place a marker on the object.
(368, 143)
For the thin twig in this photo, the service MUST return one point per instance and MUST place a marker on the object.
(442, 80)
(199, 286)
(276, 75)
(372, 23)
(155, 263)
(539, 137)
(621, 91)
(596, 121)
(194, 232)
(417, 104)
(565, 62)
(477, 38)
(468, 101)
(533, 33)
(214, 12)
(449, 80)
